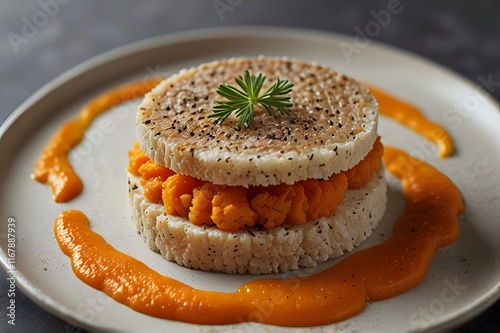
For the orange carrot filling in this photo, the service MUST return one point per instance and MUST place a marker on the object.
(235, 208)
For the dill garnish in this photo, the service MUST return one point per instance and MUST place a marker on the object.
(243, 101)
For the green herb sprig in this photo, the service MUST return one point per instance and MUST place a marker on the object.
(243, 101)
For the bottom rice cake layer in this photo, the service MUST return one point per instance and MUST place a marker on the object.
(278, 250)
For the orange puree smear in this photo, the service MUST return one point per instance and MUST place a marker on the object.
(410, 116)
(53, 167)
(339, 292)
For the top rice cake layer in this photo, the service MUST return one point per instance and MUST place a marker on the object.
(331, 127)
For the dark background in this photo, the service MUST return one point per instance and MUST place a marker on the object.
(461, 35)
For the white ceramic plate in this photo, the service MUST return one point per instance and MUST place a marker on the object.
(462, 281)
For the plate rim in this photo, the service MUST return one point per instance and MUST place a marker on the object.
(193, 35)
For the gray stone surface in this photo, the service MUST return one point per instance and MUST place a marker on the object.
(461, 35)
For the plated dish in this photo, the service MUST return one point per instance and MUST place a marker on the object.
(115, 125)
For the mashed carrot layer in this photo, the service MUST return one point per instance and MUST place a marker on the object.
(235, 208)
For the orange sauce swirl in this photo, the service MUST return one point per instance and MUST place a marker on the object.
(411, 117)
(339, 292)
(53, 167)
